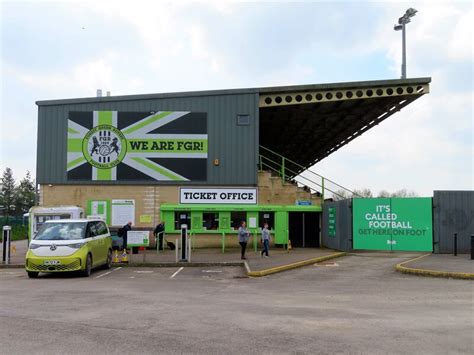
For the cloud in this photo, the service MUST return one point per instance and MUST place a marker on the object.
(144, 47)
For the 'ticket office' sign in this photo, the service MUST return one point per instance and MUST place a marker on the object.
(219, 196)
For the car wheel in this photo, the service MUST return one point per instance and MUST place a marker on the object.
(108, 265)
(32, 274)
(87, 271)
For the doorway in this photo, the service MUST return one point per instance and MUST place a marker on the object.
(303, 229)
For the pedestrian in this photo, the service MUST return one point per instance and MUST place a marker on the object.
(122, 232)
(265, 240)
(244, 235)
(159, 234)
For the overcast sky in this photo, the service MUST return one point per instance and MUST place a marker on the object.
(68, 49)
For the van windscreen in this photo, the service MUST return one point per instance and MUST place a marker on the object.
(61, 231)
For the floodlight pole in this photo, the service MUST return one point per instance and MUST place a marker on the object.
(404, 53)
(402, 22)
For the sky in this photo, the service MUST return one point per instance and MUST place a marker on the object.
(69, 49)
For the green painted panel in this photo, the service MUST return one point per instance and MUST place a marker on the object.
(224, 220)
(281, 228)
(365, 234)
(332, 221)
(417, 234)
(168, 218)
(196, 221)
(393, 224)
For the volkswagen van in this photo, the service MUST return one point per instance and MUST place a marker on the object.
(69, 245)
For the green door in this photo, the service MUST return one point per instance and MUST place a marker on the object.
(281, 227)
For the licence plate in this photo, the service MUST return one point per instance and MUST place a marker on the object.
(51, 262)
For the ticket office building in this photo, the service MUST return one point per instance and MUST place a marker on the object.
(300, 224)
(131, 157)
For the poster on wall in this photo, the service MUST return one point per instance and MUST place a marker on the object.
(123, 211)
(332, 221)
(100, 208)
(393, 224)
(130, 146)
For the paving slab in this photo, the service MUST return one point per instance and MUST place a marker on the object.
(278, 257)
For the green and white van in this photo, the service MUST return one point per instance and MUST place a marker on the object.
(69, 245)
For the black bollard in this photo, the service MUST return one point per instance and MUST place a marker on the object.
(472, 246)
(455, 244)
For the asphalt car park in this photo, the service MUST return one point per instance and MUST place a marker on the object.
(348, 305)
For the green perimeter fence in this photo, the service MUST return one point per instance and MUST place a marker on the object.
(19, 227)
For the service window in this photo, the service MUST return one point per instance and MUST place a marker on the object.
(236, 218)
(182, 217)
(267, 217)
(210, 221)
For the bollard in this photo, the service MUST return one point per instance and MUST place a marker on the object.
(223, 242)
(455, 244)
(177, 249)
(6, 244)
(184, 243)
(472, 246)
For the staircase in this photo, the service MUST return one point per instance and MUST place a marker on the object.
(280, 176)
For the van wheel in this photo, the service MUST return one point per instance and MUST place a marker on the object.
(108, 265)
(87, 271)
(32, 274)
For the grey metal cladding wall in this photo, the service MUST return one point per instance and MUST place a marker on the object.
(236, 147)
(453, 212)
(343, 239)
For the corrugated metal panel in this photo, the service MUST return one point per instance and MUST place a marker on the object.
(235, 146)
(453, 212)
(343, 239)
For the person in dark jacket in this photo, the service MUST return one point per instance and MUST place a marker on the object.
(123, 233)
(244, 235)
(159, 233)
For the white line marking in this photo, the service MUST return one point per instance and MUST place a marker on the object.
(144, 272)
(177, 272)
(211, 270)
(108, 272)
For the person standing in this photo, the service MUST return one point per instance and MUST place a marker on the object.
(159, 232)
(265, 240)
(122, 232)
(244, 236)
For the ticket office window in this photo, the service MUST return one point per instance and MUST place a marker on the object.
(267, 217)
(236, 218)
(210, 221)
(182, 217)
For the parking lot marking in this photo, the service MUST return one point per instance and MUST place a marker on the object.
(211, 270)
(177, 272)
(108, 272)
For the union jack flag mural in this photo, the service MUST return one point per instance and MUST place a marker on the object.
(131, 146)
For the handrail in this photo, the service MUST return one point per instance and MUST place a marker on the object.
(304, 169)
(304, 177)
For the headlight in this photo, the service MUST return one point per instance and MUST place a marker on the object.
(34, 246)
(76, 245)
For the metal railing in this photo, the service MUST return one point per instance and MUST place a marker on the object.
(293, 172)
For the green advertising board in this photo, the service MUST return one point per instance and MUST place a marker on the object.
(332, 221)
(393, 224)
